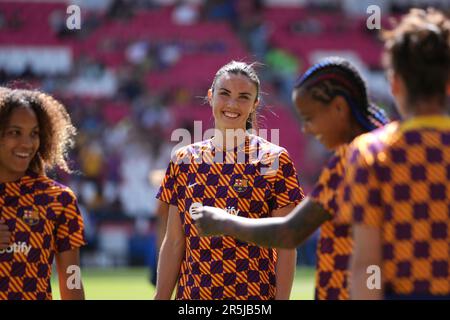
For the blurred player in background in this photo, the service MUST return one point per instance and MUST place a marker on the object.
(39, 218)
(397, 185)
(332, 99)
(231, 175)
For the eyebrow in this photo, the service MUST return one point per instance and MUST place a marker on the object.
(19, 127)
(303, 114)
(241, 93)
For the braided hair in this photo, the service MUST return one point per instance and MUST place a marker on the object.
(334, 77)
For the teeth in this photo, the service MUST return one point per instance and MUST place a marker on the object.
(231, 114)
(22, 155)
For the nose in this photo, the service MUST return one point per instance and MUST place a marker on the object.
(232, 103)
(26, 141)
(306, 128)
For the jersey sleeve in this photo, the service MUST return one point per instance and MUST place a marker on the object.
(361, 198)
(286, 188)
(326, 191)
(167, 191)
(69, 224)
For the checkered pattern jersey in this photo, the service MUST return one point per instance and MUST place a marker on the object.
(223, 267)
(43, 216)
(398, 180)
(335, 242)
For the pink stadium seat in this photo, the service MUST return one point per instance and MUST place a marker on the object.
(113, 112)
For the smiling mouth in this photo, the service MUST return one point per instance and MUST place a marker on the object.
(231, 115)
(22, 155)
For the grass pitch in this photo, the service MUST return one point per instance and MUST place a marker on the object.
(134, 284)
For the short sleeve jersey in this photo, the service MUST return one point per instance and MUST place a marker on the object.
(249, 182)
(398, 180)
(44, 219)
(334, 247)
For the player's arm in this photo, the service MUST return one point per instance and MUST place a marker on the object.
(286, 263)
(162, 213)
(170, 256)
(366, 252)
(69, 275)
(279, 232)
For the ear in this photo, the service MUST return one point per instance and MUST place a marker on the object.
(340, 106)
(255, 105)
(210, 95)
(395, 83)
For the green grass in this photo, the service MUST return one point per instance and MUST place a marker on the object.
(304, 284)
(133, 284)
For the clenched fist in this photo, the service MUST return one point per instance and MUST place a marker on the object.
(210, 221)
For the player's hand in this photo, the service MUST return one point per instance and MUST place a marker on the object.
(209, 220)
(5, 235)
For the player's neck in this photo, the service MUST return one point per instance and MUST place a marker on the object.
(356, 130)
(425, 109)
(229, 139)
(8, 176)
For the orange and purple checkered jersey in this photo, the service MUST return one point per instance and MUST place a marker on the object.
(398, 180)
(262, 180)
(44, 220)
(335, 242)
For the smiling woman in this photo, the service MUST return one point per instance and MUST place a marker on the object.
(229, 176)
(39, 218)
(36, 125)
(234, 96)
(332, 100)
(20, 142)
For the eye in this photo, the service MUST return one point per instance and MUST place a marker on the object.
(13, 133)
(224, 93)
(35, 134)
(246, 98)
(302, 116)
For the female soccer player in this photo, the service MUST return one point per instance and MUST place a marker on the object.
(236, 171)
(332, 99)
(397, 185)
(39, 218)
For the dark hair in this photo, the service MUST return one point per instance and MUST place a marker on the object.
(56, 131)
(236, 67)
(418, 49)
(335, 76)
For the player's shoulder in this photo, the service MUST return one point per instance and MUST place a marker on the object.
(191, 150)
(338, 159)
(43, 184)
(368, 146)
(266, 147)
(376, 139)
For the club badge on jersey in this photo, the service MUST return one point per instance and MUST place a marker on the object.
(31, 216)
(240, 185)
